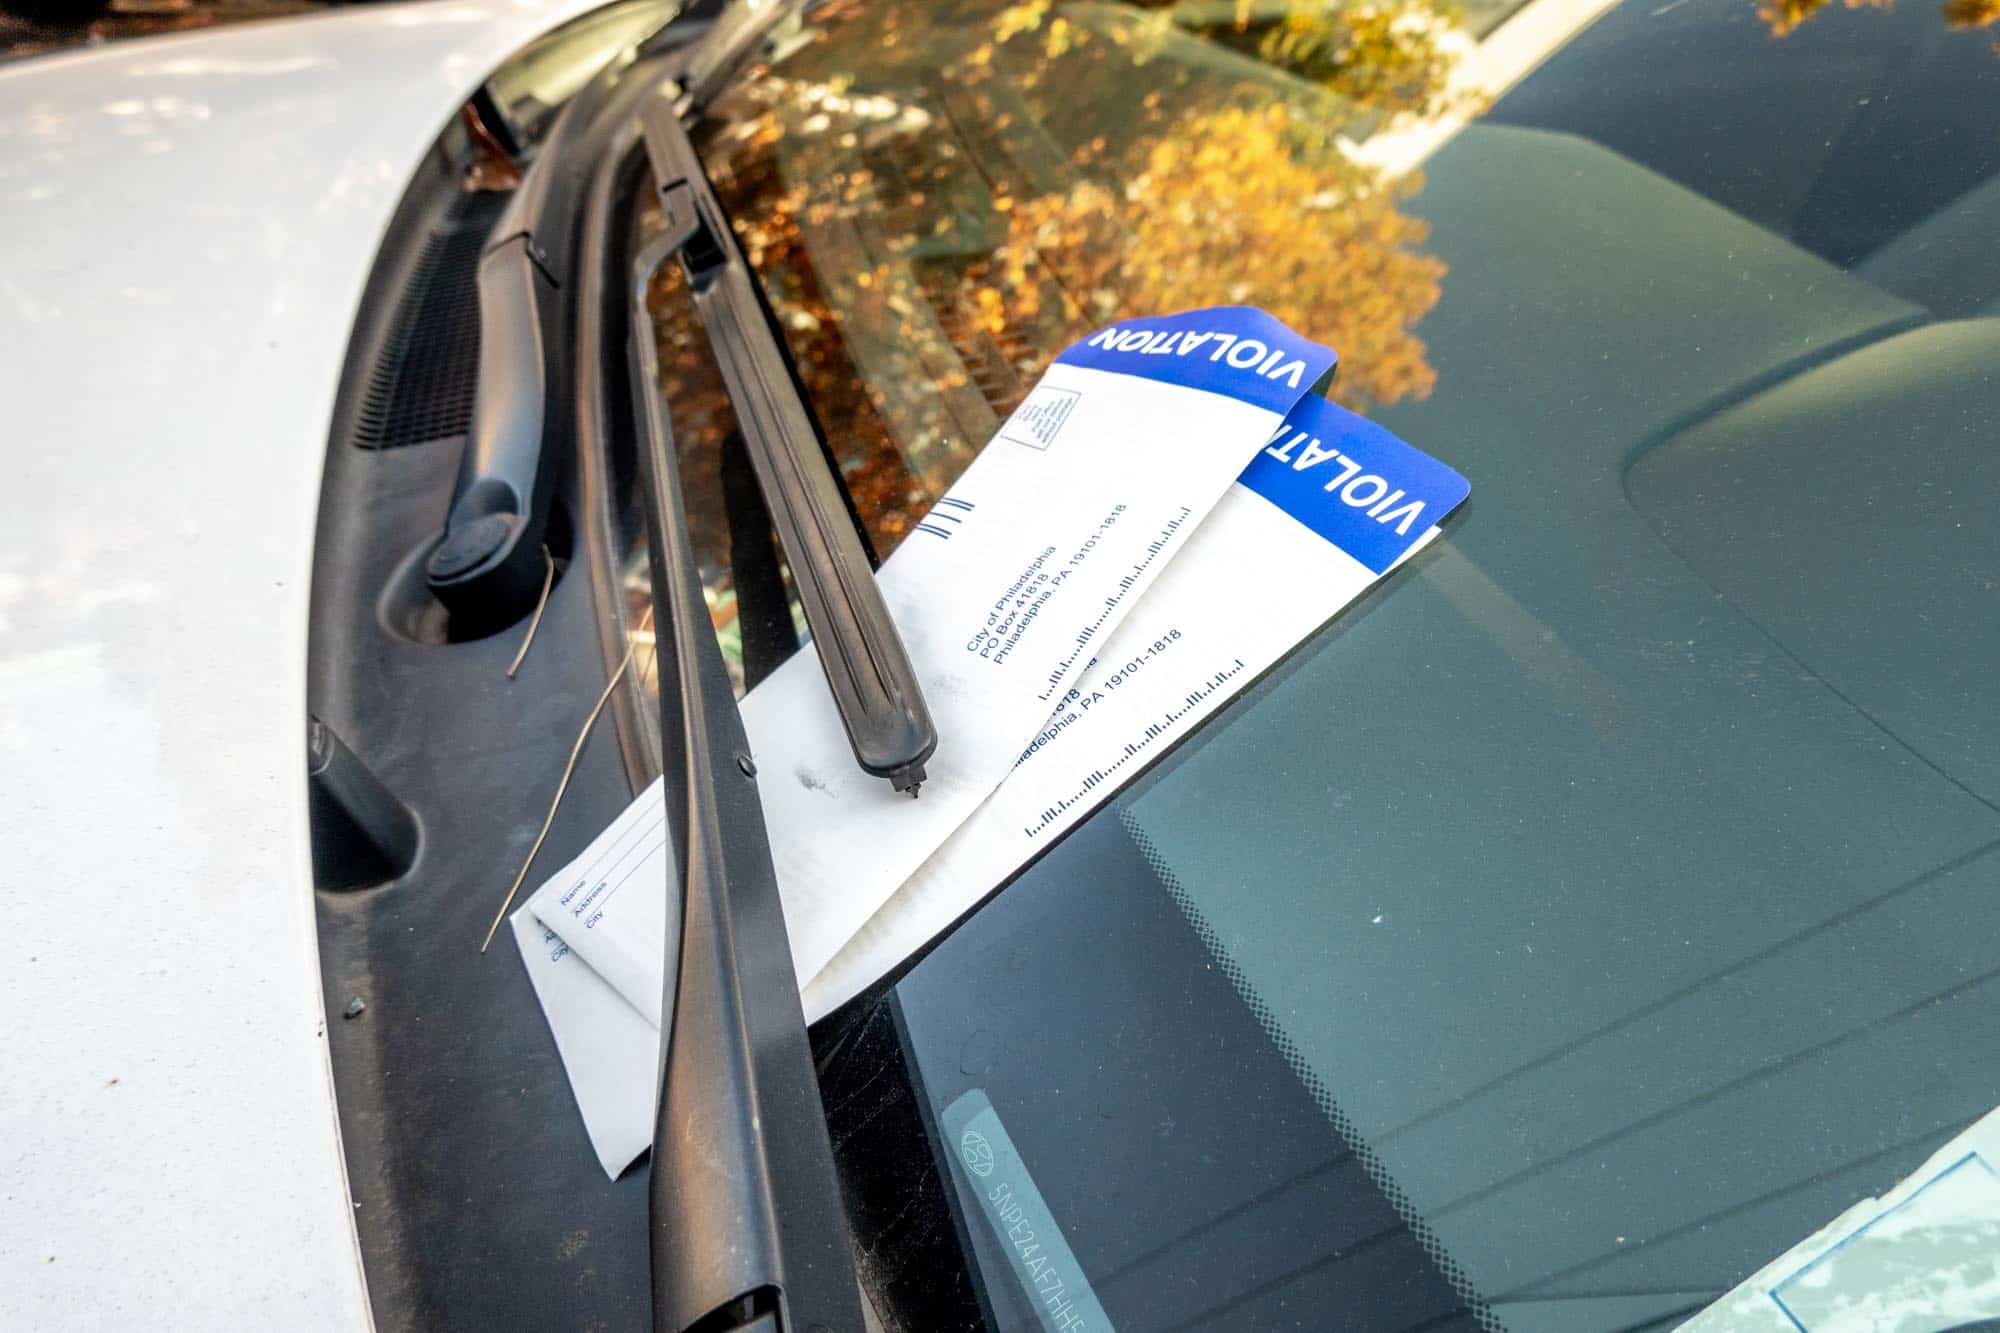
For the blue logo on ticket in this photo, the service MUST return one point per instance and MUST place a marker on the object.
(1230, 349)
(1353, 482)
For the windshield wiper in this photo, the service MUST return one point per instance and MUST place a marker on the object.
(867, 669)
(748, 1229)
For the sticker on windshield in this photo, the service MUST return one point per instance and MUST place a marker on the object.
(990, 1170)
(1937, 1252)
(1922, 1258)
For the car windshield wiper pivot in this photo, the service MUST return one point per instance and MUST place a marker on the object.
(488, 565)
(874, 686)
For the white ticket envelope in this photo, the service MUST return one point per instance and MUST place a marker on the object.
(610, 1051)
(606, 1013)
(1003, 594)
(1332, 503)
(610, 904)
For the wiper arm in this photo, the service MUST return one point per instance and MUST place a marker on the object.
(748, 1230)
(874, 687)
(488, 567)
(740, 32)
(489, 563)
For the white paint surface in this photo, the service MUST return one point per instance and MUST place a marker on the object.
(186, 224)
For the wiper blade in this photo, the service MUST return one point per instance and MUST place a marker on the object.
(748, 1230)
(874, 686)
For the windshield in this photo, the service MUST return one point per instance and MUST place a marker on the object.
(1607, 901)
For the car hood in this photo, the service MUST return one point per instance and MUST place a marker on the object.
(190, 221)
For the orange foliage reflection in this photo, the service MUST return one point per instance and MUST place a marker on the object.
(940, 197)
(1784, 17)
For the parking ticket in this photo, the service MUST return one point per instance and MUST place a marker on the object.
(1330, 504)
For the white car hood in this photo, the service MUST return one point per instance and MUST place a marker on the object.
(188, 224)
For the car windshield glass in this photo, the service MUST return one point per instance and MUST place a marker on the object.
(1607, 901)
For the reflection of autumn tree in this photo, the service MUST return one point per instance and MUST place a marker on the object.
(1149, 159)
(1964, 14)
(939, 197)
(1783, 17)
(1202, 164)
(1245, 207)
(1391, 56)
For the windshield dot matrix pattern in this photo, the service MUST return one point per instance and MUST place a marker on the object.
(1468, 1297)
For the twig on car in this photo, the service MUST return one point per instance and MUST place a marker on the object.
(568, 770)
(541, 605)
